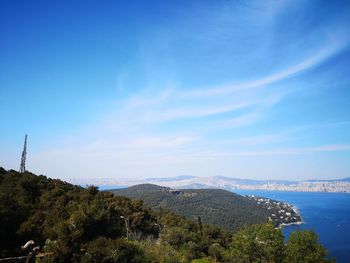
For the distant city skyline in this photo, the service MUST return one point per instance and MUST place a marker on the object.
(139, 89)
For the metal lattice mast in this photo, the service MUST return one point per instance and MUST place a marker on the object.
(22, 169)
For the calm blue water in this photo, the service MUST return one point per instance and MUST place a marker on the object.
(328, 214)
(109, 187)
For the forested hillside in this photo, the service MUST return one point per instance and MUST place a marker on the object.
(215, 206)
(74, 224)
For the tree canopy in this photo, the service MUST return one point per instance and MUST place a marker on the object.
(76, 224)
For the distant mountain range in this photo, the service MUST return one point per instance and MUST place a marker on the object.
(228, 183)
(347, 179)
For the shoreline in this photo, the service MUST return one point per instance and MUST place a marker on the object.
(280, 212)
(282, 225)
(296, 210)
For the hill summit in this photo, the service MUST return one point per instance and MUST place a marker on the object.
(214, 206)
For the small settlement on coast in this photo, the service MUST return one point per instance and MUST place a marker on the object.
(280, 213)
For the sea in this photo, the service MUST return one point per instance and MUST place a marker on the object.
(328, 214)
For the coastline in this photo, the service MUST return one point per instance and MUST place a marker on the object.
(280, 212)
(291, 224)
(300, 222)
(321, 212)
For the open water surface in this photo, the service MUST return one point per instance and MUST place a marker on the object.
(328, 214)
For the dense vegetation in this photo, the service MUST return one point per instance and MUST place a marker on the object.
(215, 206)
(73, 224)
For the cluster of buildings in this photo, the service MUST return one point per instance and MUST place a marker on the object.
(280, 213)
(318, 186)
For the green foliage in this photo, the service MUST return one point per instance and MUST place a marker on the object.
(18, 195)
(104, 250)
(303, 246)
(64, 216)
(213, 206)
(216, 252)
(75, 224)
(258, 243)
(203, 260)
(161, 252)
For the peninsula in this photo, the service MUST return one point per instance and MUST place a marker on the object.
(214, 206)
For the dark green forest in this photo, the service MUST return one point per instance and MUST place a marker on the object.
(215, 206)
(76, 224)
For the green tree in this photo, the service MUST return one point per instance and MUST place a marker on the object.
(203, 260)
(257, 243)
(104, 250)
(75, 224)
(215, 251)
(303, 246)
(160, 252)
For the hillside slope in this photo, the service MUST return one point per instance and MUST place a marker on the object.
(75, 224)
(214, 206)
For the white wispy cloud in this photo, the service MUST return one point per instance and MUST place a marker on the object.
(239, 121)
(308, 63)
(152, 129)
(260, 139)
(161, 142)
(286, 151)
(195, 112)
(119, 137)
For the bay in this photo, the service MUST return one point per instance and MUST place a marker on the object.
(328, 214)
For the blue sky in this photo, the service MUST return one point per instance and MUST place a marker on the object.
(134, 89)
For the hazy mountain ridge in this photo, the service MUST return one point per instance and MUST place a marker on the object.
(228, 183)
(346, 179)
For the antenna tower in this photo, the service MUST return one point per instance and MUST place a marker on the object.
(22, 169)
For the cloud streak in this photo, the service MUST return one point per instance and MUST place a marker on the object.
(308, 63)
(288, 151)
(199, 118)
(161, 142)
